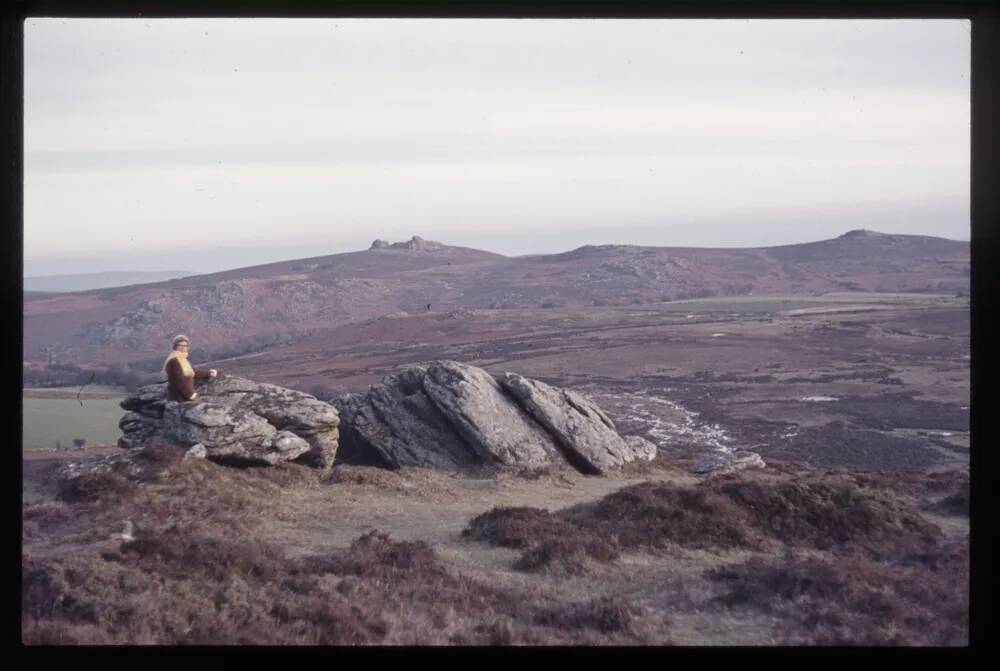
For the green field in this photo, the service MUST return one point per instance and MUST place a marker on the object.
(55, 416)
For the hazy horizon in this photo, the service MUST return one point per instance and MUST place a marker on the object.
(208, 144)
(205, 262)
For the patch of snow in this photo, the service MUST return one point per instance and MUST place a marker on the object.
(819, 398)
(690, 316)
(718, 335)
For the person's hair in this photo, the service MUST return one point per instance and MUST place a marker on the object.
(179, 339)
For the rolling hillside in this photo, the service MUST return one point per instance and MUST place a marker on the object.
(238, 310)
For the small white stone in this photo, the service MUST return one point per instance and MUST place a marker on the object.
(197, 451)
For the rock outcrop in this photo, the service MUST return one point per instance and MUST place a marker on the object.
(444, 415)
(396, 424)
(727, 461)
(587, 435)
(237, 420)
(642, 448)
(414, 244)
(496, 429)
(452, 415)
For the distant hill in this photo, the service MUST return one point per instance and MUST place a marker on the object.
(85, 281)
(239, 310)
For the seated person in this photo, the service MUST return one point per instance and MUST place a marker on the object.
(180, 374)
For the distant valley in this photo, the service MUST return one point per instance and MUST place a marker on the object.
(86, 281)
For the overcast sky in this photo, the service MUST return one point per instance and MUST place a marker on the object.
(201, 144)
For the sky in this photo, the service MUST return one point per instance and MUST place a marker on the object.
(205, 144)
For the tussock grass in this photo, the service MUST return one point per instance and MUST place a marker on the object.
(121, 476)
(852, 601)
(572, 555)
(199, 572)
(822, 513)
(654, 516)
(517, 527)
(726, 513)
(176, 588)
(607, 614)
(550, 542)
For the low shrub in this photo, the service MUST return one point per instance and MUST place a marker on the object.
(651, 516)
(851, 601)
(570, 555)
(823, 513)
(607, 614)
(172, 587)
(517, 527)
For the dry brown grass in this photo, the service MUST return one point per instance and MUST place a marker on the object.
(176, 588)
(517, 527)
(200, 572)
(38, 518)
(123, 475)
(608, 614)
(158, 490)
(550, 542)
(727, 513)
(738, 512)
(957, 504)
(572, 555)
(954, 486)
(825, 512)
(228, 593)
(654, 516)
(918, 486)
(425, 483)
(47, 513)
(95, 486)
(642, 468)
(201, 569)
(852, 601)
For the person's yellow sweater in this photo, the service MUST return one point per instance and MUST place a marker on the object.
(181, 376)
(182, 359)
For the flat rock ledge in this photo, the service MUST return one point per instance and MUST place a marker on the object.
(450, 415)
(235, 420)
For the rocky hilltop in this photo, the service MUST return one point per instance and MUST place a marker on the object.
(444, 415)
(414, 244)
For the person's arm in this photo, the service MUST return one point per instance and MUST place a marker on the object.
(183, 385)
(203, 373)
